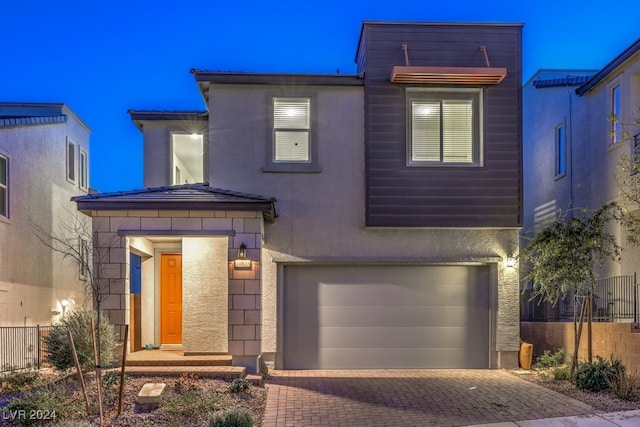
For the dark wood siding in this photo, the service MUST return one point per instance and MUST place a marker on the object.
(398, 195)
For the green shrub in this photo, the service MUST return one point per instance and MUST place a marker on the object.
(625, 387)
(58, 347)
(17, 380)
(550, 360)
(239, 385)
(112, 378)
(596, 376)
(190, 403)
(235, 416)
(562, 373)
(51, 404)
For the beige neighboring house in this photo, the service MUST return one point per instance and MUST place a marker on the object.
(572, 151)
(332, 221)
(44, 161)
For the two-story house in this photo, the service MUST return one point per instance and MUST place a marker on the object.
(573, 148)
(44, 161)
(333, 221)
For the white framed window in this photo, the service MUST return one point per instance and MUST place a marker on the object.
(187, 158)
(615, 111)
(291, 129)
(444, 127)
(561, 151)
(292, 143)
(83, 164)
(4, 186)
(83, 262)
(71, 161)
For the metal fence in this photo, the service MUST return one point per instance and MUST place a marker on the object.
(21, 347)
(614, 299)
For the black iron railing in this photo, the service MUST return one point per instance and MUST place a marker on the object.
(21, 347)
(614, 299)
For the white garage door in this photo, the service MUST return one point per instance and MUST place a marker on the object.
(365, 317)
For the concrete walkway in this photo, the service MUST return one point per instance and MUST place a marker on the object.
(619, 419)
(411, 398)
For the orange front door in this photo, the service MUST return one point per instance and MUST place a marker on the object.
(171, 298)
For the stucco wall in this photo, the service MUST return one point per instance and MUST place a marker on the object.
(619, 340)
(205, 285)
(33, 279)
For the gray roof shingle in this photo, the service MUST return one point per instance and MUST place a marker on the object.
(178, 197)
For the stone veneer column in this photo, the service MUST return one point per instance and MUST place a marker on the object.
(245, 293)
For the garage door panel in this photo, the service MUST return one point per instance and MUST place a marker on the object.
(394, 316)
(375, 358)
(450, 337)
(342, 317)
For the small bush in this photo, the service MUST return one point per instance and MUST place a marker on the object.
(239, 385)
(562, 373)
(58, 347)
(625, 387)
(190, 403)
(550, 360)
(17, 380)
(112, 378)
(235, 416)
(596, 376)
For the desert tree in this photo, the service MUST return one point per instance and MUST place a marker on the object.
(563, 258)
(74, 241)
(628, 179)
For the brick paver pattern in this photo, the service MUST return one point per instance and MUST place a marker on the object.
(409, 398)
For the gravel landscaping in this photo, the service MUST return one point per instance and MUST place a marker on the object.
(186, 401)
(604, 401)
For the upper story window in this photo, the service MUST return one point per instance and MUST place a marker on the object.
(84, 170)
(561, 151)
(71, 161)
(4, 186)
(615, 110)
(293, 147)
(444, 127)
(187, 158)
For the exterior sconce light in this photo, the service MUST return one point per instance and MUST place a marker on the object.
(511, 261)
(241, 261)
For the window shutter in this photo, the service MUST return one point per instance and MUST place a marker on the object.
(457, 131)
(291, 122)
(425, 131)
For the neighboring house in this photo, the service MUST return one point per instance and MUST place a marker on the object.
(572, 151)
(44, 158)
(389, 202)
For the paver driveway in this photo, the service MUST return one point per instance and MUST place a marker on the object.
(409, 398)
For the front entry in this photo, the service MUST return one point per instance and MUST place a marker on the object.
(171, 298)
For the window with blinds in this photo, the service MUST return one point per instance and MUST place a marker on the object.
(291, 127)
(444, 128)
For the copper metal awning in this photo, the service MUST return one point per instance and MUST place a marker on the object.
(448, 75)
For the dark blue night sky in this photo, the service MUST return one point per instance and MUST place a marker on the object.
(103, 57)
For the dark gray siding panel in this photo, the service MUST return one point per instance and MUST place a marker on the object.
(486, 196)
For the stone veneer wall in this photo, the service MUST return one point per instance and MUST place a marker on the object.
(244, 285)
(618, 339)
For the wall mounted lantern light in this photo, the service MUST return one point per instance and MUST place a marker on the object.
(241, 261)
(511, 261)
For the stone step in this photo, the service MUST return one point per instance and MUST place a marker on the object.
(220, 372)
(183, 362)
(254, 379)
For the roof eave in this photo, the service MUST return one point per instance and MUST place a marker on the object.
(610, 67)
(203, 76)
